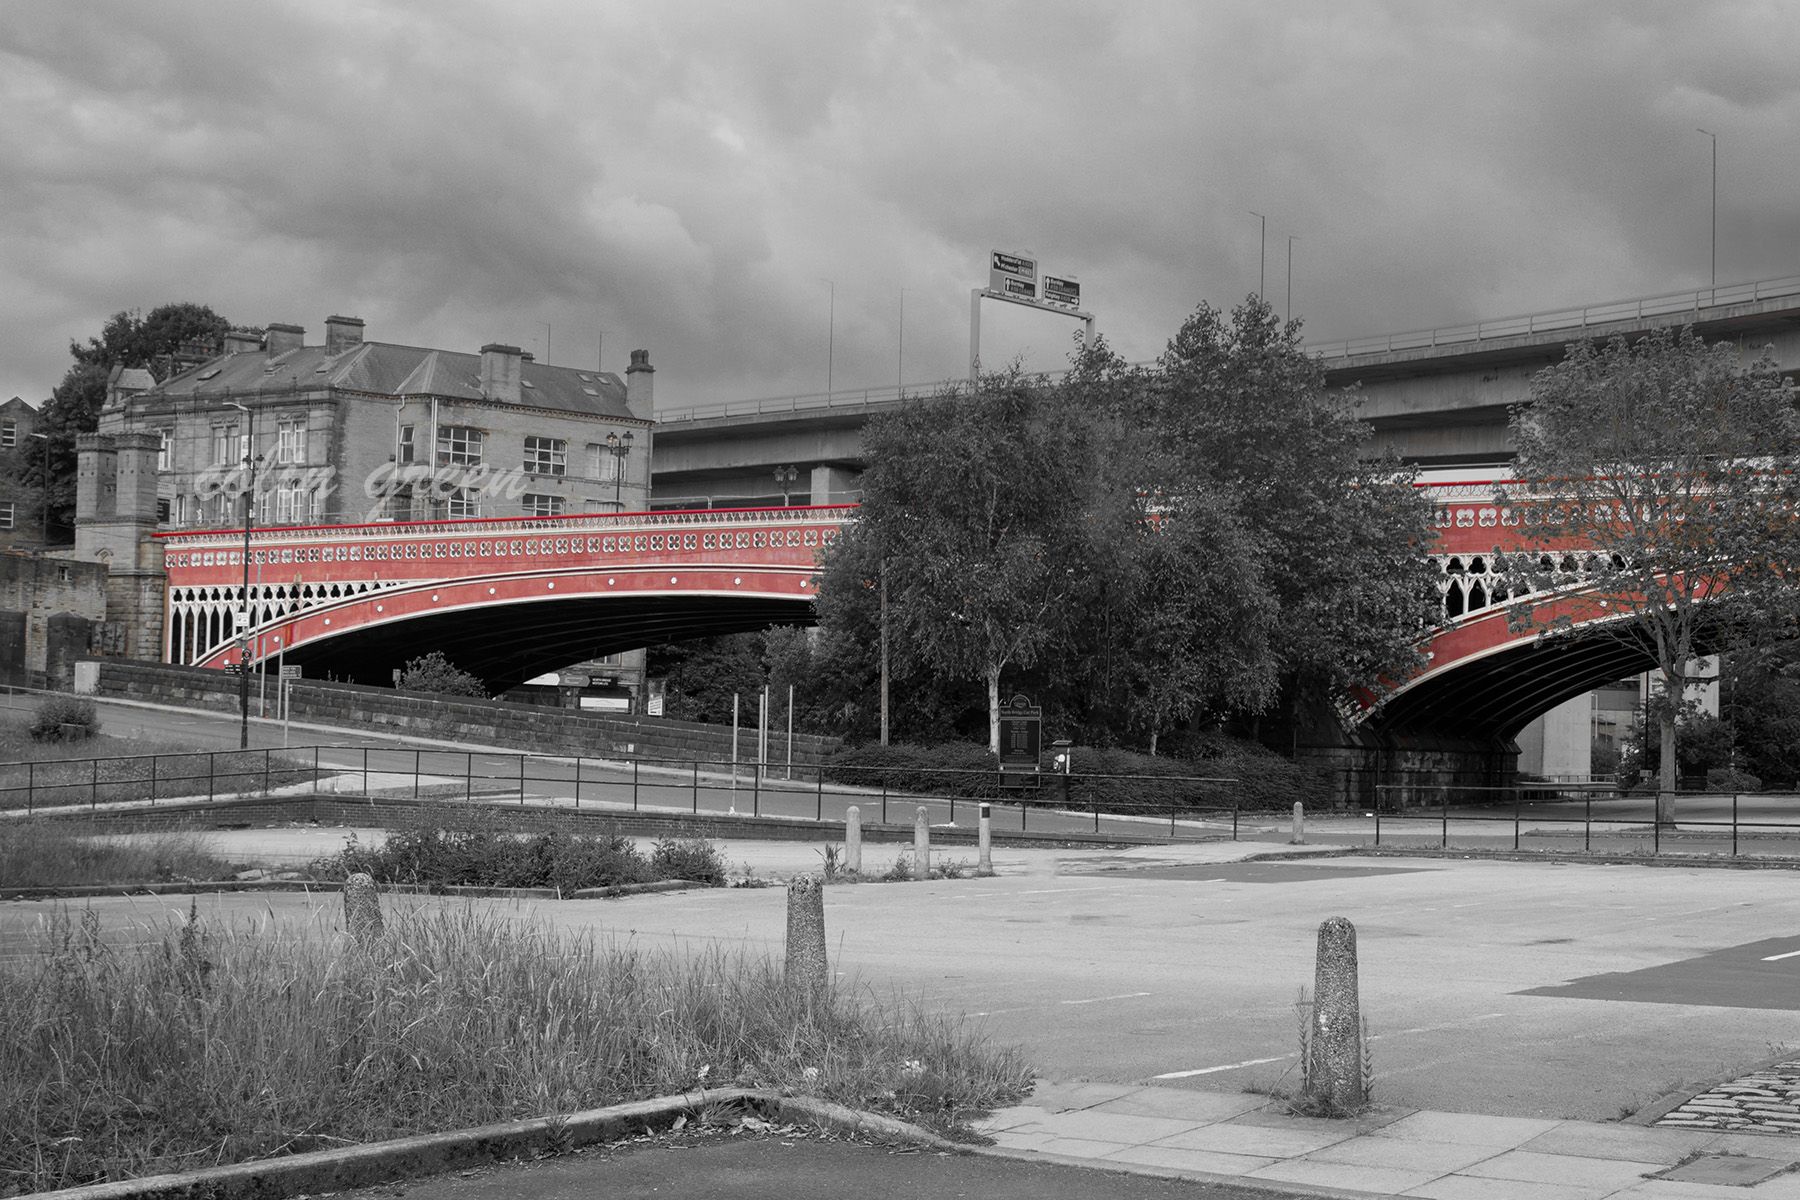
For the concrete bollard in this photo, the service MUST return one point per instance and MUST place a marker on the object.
(984, 860)
(853, 840)
(806, 966)
(1335, 1072)
(362, 910)
(922, 845)
(1299, 838)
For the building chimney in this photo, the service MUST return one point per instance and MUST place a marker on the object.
(500, 372)
(242, 341)
(640, 386)
(342, 333)
(283, 338)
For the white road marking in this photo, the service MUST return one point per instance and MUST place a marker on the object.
(1248, 1062)
(1104, 999)
(1257, 1062)
(1779, 957)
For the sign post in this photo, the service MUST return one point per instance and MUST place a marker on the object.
(1014, 278)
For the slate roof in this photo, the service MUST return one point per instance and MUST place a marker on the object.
(389, 370)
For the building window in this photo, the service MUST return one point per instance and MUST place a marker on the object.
(403, 452)
(315, 508)
(459, 446)
(6, 514)
(162, 511)
(165, 444)
(288, 509)
(9, 435)
(290, 440)
(539, 505)
(546, 456)
(225, 447)
(463, 502)
(603, 464)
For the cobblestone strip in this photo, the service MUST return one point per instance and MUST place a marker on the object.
(1766, 1101)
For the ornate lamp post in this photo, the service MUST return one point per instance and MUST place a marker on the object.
(784, 479)
(621, 449)
(251, 459)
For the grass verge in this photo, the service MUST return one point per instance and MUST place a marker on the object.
(105, 769)
(208, 1046)
(40, 853)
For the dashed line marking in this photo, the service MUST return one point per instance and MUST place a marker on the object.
(1104, 999)
(1779, 957)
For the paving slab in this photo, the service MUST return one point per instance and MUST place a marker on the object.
(1465, 1187)
(1184, 1105)
(1527, 1166)
(1430, 1157)
(1232, 1138)
(1628, 1143)
(1465, 1129)
(1177, 1158)
(1383, 1181)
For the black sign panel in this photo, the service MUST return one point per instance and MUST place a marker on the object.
(1021, 735)
(1062, 291)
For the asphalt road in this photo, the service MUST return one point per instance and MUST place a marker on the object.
(774, 1168)
(1524, 989)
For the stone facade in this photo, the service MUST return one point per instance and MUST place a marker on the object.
(21, 506)
(51, 611)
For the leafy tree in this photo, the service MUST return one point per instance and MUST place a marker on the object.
(968, 504)
(435, 673)
(157, 341)
(1670, 472)
(1761, 703)
(703, 674)
(1339, 537)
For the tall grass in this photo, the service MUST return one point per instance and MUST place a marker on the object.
(212, 1045)
(40, 853)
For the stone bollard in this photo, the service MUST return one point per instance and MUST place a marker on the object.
(1335, 1072)
(1299, 838)
(806, 966)
(984, 859)
(362, 909)
(922, 845)
(853, 840)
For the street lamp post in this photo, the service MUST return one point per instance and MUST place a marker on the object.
(621, 448)
(784, 479)
(251, 459)
(44, 489)
(1715, 204)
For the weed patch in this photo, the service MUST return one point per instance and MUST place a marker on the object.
(214, 1045)
(39, 853)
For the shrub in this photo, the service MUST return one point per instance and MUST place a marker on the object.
(1727, 779)
(435, 673)
(64, 718)
(687, 858)
(483, 852)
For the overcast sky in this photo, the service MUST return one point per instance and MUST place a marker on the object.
(687, 176)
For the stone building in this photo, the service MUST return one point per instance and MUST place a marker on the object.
(356, 431)
(350, 432)
(21, 507)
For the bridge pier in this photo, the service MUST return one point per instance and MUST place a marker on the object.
(1399, 772)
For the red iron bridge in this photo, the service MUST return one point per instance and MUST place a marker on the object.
(508, 599)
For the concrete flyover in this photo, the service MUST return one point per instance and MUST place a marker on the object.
(1437, 396)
